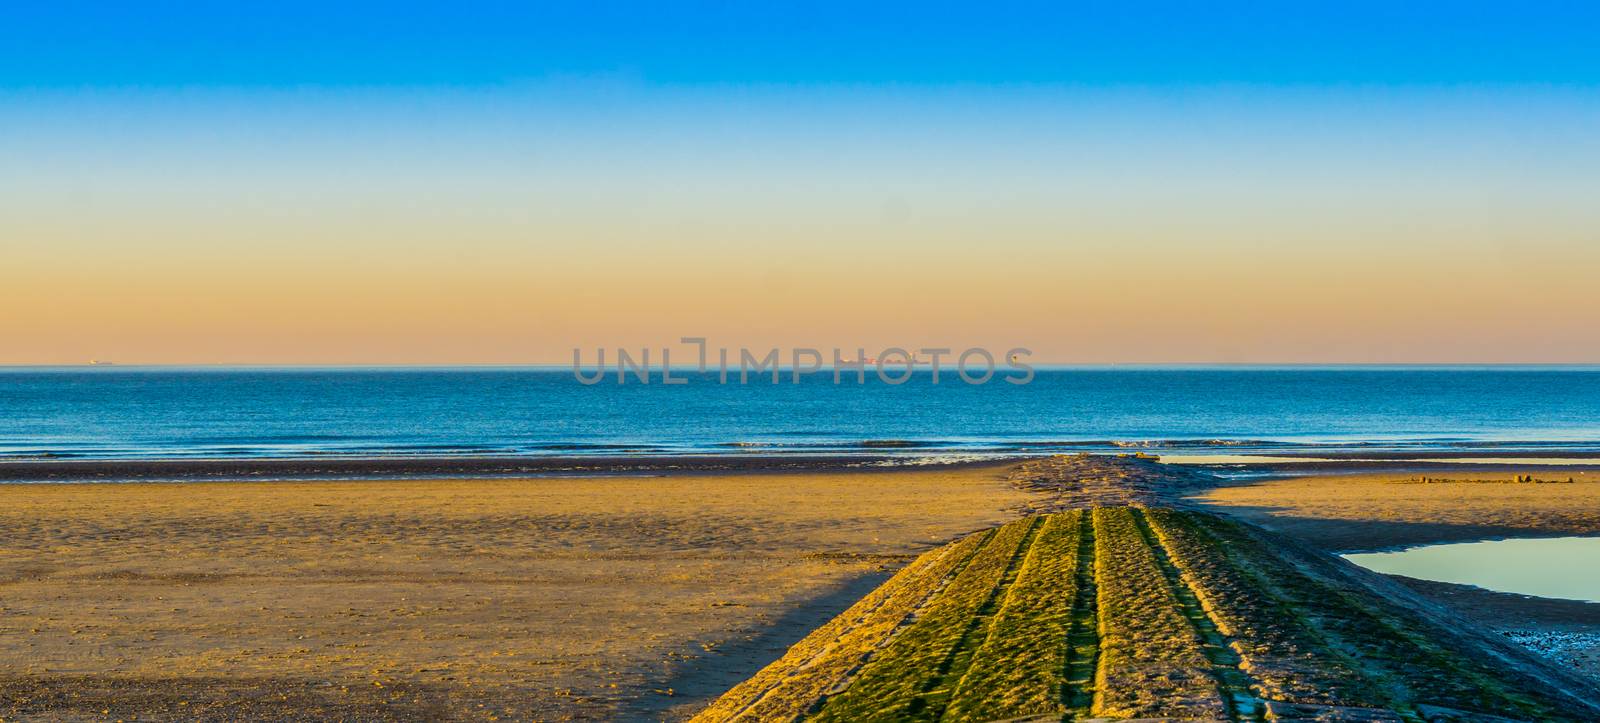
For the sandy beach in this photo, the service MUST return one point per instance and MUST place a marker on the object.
(579, 598)
(1374, 511)
(541, 599)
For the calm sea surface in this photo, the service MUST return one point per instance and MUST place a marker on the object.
(131, 412)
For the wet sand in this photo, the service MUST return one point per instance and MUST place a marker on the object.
(473, 467)
(1565, 631)
(548, 599)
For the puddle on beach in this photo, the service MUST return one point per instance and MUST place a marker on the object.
(1559, 567)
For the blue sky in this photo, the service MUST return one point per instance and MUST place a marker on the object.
(67, 44)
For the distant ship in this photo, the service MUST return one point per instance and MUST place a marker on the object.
(98, 363)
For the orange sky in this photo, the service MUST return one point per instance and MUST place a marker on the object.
(1098, 229)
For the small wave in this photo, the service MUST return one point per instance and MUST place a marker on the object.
(1188, 443)
(42, 454)
(276, 439)
(863, 444)
(1529, 444)
(585, 447)
(923, 460)
(896, 444)
(1142, 443)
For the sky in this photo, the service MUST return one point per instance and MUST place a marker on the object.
(1133, 182)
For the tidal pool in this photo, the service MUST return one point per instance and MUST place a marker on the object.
(1558, 567)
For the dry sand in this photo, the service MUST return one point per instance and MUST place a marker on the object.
(1395, 509)
(468, 599)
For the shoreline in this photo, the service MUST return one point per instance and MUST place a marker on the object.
(405, 468)
(1228, 469)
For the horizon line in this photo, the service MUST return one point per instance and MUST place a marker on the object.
(786, 368)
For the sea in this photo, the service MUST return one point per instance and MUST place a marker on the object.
(235, 412)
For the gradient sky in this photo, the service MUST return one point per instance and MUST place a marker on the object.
(403, 183)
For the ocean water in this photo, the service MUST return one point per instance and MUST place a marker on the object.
(130, 412)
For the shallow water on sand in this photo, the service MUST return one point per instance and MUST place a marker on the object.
(1559, 567)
